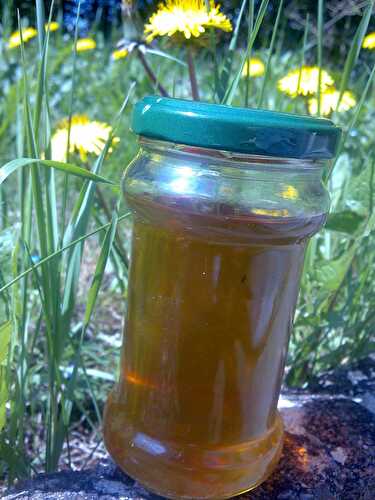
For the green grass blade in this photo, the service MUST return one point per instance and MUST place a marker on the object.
(236, 31)
(230, 93)
(10, 167)
(352, 123)
(43, 137)
(5, 334)
(78, 222)
(217, 90)
(71, 101)
(5, 337)
(90, 306)
(99, 270)
(228, 61)
(59, 252)
(41, 20)
(303, 52)
(9, 109)
(320, 50)
(41, 85)
(250, 26)
(165, 55)
(354, 50)
(33, 148)
(36, 184)
(270, 53)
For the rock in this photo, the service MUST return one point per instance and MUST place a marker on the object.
(329, 453)
(356, 381)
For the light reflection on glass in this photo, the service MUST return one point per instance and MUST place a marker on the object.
(181, 183)
(149, 444)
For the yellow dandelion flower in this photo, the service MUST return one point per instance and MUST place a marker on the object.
(15, 38)
(119, 54)
(271, 212)
(52, 26)
(289, 192)
(86, 137)
(329, 100)
(257, 67)
(84, 44)
(187, 17)
(305, 81)
(369, 41)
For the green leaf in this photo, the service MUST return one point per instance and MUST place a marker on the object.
(10, 167)
(331, 274)
(347, 221)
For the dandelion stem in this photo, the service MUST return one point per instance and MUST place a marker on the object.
(151, 74)
(192, 75)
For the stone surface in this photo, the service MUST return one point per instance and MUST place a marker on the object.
(356, 381)
(329, 452)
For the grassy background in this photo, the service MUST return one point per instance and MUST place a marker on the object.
(60, 337)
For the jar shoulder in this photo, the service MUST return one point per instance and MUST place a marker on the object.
(210, 185)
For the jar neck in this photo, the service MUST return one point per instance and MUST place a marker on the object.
(231, 158)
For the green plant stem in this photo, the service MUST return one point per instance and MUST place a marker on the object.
(192, 74)
(218, 92)
(250, 28)
(151, 74)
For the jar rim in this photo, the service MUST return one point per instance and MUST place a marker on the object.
(241, 130)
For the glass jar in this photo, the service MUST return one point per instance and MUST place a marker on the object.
(224, 202)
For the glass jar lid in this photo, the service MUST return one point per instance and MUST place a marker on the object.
(242, 130)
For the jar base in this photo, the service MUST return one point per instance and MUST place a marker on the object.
(180, 471)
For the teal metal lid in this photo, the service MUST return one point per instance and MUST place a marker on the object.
(242, 130)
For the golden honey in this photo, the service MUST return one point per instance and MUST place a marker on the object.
(209, 315)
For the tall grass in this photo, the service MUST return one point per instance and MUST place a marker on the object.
(49, 210)
(41, 303)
